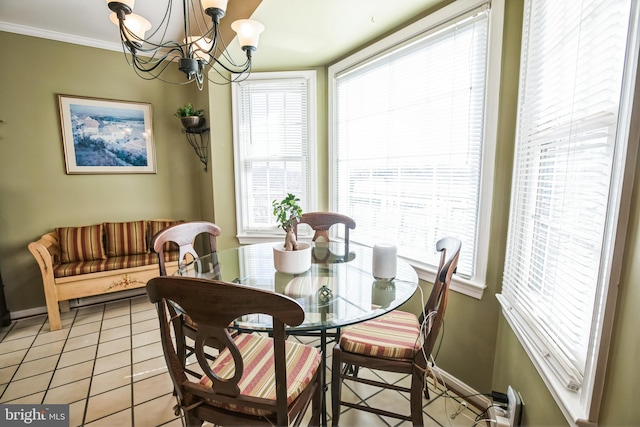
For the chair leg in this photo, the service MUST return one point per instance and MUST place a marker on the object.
(316, 404)
(191, 420)
(336, 385)
(417, 382)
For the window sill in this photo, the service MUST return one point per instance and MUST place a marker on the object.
(466, 287)
(570, 403)
(262, 238)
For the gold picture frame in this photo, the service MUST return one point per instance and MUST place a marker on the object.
(106, 136)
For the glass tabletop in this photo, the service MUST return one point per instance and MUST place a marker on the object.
(337, 290)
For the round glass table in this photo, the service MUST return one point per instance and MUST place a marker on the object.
(338, 290)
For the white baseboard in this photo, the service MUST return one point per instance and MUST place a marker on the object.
(80, 302)
(471, 395)
(30, 312)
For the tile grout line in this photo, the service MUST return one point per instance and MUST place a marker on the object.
(93, 369)
(133, 420)
(21, 360)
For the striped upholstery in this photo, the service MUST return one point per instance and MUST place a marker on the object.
(258, 379)
(126, 238)
(113, 263)
(80, 243)
(156, 226)
(396, 335)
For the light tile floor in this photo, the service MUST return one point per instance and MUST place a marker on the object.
(107, 364)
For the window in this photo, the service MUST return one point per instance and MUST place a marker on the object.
(274, 146)
(566, 225)
(413, 135)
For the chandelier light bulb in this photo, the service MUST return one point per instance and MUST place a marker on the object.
(248, 32)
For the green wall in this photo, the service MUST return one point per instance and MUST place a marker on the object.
(36, 194)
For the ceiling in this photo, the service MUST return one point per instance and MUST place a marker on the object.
(299, 33)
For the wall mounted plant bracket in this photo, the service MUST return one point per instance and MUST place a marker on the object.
(200, 143)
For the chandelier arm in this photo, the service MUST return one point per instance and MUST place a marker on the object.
(242, 70)
(164, 23)
(158, 76)
(151, 64)
(146, 75)
(185, 22)
(135, 44)
(158, 54)
(239, 77)
(215, 35)
(201, 20)
(224, 53)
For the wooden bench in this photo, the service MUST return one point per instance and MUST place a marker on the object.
(70, 273)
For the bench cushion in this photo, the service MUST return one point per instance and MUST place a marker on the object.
(81, 243)
(126, 238)
(108, 264)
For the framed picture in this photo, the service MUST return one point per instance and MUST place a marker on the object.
(103, 136)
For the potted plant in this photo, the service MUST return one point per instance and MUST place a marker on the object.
(291, 257)
(190, 116)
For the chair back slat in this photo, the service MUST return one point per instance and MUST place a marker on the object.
(321, 222)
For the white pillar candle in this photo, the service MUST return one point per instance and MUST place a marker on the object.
(385, 258)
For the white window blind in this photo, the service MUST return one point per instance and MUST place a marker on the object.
(566, 181)
(273, 142)
(408, 140)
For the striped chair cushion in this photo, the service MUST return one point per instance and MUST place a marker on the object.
(258, 379)
(80, 243)
(126, 238)
(396, 335)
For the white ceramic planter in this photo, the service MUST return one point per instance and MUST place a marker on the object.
(292, 262)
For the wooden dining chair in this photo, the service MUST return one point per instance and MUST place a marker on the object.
(177, 242)
(255, 380)
(320, 223)
(392, 343)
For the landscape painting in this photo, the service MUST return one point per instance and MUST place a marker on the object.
(106, 136)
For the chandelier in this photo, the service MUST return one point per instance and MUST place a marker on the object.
(196, 54)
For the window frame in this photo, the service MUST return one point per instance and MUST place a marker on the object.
(476, 285)
(244, 235)
(582, 408)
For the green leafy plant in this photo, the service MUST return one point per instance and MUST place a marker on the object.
(287, 212)
(188, 111)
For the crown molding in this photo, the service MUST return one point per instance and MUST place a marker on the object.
(61, 37)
